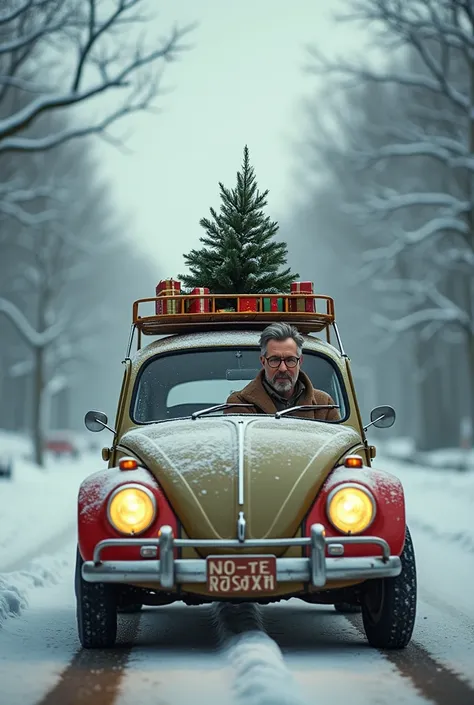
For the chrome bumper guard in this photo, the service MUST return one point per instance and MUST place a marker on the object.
(168, 571)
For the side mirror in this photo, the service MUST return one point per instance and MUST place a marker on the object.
(96, 421)
(382, 417)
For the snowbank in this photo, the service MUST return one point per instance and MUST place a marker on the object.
(38, 516)
(443, 459)
(15, 587)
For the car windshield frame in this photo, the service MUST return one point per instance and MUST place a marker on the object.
(230, 348)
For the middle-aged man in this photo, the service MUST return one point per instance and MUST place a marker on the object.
(281, 383)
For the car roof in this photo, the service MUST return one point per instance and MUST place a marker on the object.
(175, 343)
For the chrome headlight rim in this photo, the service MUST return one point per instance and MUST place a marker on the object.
(131, 486)
(357, 486)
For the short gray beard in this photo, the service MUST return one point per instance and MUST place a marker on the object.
(282, 385)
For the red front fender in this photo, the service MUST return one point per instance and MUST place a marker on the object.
(93, 525)
(389, 522)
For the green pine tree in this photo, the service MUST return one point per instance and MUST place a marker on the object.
(239, 254)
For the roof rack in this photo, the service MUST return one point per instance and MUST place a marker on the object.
(190, 313)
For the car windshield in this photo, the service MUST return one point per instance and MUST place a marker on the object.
(176, 385)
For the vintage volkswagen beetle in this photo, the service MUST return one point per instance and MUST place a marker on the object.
(199, 505)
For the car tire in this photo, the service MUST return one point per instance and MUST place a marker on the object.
(346, 608)
(389, 604)
(96, 611)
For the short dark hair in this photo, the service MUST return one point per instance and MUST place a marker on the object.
(280, 331)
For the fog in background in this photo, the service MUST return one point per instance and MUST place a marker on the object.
(336, 154)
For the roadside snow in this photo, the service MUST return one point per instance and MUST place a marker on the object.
(15, 587)
(37, 516)
(37, 504)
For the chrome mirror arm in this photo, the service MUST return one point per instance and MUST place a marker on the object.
(372, 422)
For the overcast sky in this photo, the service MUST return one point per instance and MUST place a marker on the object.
(241, 83)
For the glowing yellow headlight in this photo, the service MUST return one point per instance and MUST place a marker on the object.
(351, 509)
(132, 509)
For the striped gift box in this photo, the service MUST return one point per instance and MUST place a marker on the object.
(198, 305)
(302, 304)
(167, 287)
(272, 303)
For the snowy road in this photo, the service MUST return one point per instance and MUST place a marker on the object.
(285, 654)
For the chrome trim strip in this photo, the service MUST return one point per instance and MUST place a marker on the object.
(241, 527)
(318, 558)
(241, 460)
(130, 341)
(167, 562)
(235, 543)
(338, 337)
(193, 570)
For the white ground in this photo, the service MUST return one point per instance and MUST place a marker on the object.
(180, 656)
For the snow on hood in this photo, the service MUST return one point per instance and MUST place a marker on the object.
(197, 447)
(285, 461)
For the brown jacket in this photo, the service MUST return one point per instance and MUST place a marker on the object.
(256, 394)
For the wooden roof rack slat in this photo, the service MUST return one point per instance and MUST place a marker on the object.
(181, 320)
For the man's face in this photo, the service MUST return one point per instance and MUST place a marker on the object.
(282, 378)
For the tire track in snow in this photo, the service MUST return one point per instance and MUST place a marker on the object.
(261, 676)
(430, 678)
(94, 676)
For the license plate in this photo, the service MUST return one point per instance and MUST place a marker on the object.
(243, 574)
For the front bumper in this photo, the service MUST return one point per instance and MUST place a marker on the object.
(317, 569)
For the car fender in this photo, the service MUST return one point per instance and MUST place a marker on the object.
(390, 518)
(93, 524)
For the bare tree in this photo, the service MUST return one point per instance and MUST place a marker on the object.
(431, 139)
(97, 46)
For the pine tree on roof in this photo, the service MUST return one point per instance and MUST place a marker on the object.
(240, 254)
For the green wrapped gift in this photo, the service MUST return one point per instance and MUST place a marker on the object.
(272, 303)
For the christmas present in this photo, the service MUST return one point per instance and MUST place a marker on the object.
(272, 303)
(168, 287)
(198, 305)
(302, 304)
(247, 304)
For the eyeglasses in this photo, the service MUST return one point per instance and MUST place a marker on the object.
(276, 361)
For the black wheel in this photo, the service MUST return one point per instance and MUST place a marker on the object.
(96, 610)
(346, 608)
(389, 605)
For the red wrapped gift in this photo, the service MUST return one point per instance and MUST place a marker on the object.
(168, 287)
(247, 304)
(198, 305)
(302, 304)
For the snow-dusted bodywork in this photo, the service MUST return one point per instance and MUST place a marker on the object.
(200, 503)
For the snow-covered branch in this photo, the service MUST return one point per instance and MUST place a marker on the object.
(117, 69)
(31, 336)
(451, 315)
(390, 201)
(346, 69)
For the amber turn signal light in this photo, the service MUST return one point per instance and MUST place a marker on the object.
(128, 464)
(353, 461)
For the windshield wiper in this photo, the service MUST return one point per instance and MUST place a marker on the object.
(210, 409)
(305, 407)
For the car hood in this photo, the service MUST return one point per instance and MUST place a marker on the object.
(282, 463)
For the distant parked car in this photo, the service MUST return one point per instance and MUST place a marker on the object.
(6, 467)
(62, 443)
